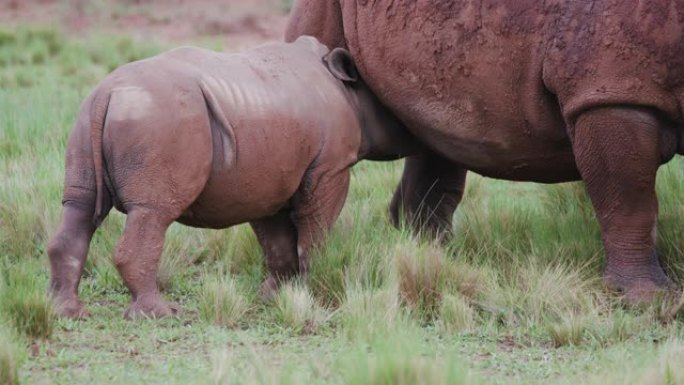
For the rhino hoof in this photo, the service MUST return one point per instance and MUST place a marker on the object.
(72, 309)
(639, 291)
(151, 308)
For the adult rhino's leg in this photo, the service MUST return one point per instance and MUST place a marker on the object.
(277, 236)
(68, 250)
(617, 153)
(431, 188)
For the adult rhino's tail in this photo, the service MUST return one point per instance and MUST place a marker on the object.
(98, 114)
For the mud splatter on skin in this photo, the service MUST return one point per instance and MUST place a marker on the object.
(499, 87)
(636, 46)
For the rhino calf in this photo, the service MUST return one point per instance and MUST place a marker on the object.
(212, 140)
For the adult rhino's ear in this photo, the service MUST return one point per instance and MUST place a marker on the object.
(341, 65)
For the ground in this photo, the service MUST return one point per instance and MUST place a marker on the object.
(516, 297)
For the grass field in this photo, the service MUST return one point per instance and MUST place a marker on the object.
(517, 297)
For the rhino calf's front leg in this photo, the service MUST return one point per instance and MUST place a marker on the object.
(277, 236)
(316, 210)
(288, 237)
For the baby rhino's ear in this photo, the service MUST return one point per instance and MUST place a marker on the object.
(341, 65)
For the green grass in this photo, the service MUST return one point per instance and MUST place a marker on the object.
(516, 298)
(9, 358)
(24, 302)
(399, 361)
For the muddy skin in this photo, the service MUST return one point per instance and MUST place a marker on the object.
(546, 91)
(212, 140)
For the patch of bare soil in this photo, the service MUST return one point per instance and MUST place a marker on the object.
(238, 23)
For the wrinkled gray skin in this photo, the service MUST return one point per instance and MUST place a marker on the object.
(545, 91)
(212, 140)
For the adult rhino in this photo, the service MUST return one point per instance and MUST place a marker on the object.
(545, 91)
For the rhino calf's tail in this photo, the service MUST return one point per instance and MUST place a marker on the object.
(98, 114)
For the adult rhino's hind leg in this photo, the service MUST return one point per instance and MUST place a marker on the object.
(277, 236)
(431, 188)
(617, 153)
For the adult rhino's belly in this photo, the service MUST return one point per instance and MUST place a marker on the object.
(489, 137)
(503, 146)
(514, 133)
(467, 93)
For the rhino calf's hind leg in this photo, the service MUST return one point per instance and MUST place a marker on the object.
(617, 152)
(67, 251)
(277, 236)
(137, 259)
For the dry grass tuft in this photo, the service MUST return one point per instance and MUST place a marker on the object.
(367, 314)
(456, 315)
(296, 308)
(470, 282)
(568, 331)
(534, 294)
(221, 301)
(421, 277)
